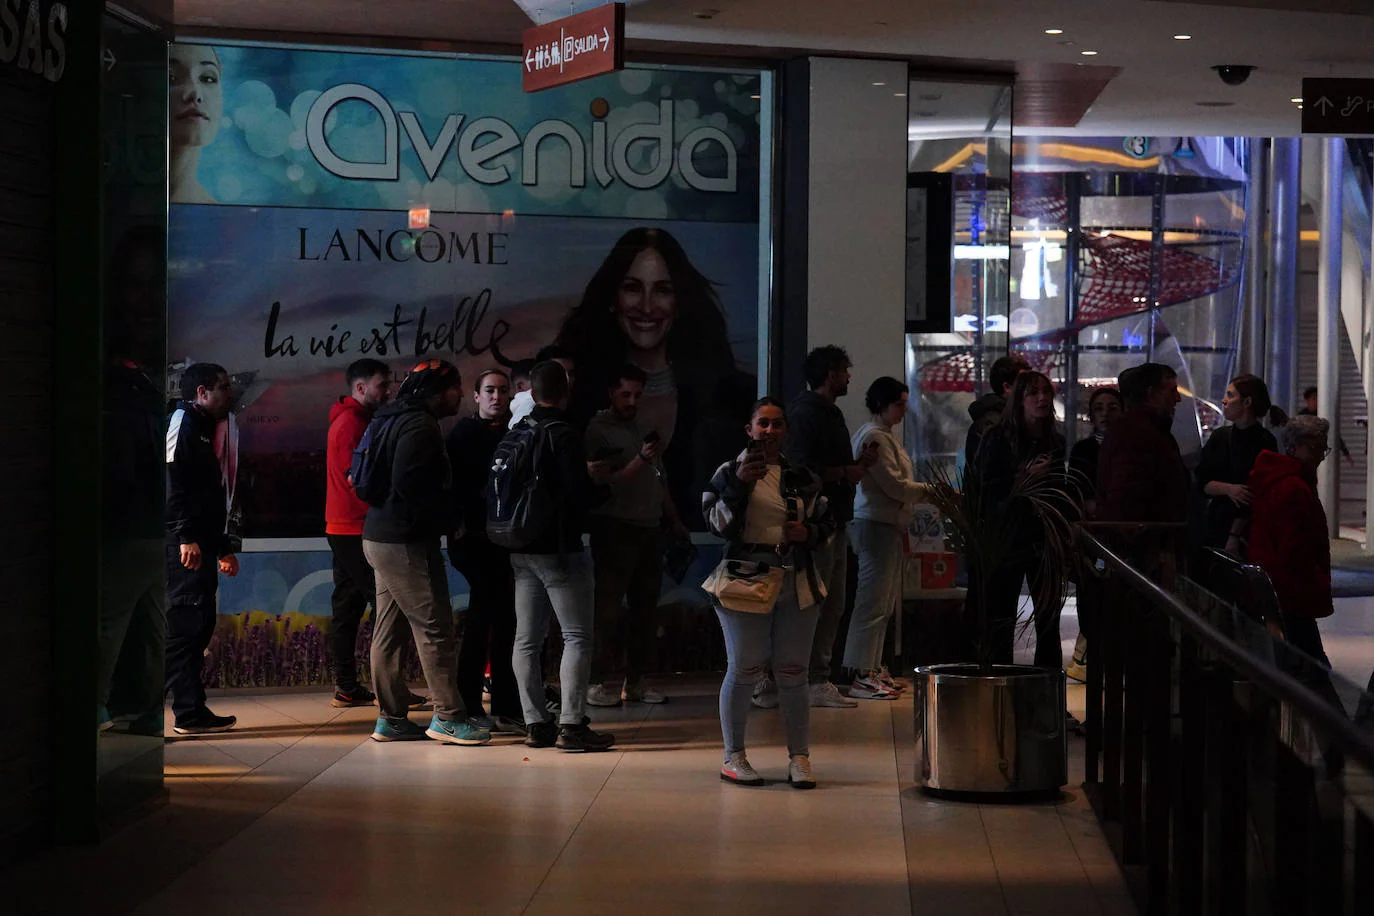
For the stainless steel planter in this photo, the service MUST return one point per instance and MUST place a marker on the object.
(1001, 733)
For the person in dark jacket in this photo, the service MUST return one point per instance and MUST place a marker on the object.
(1289, 539)
(1024, 447)
(1223, 471)
(1104, 408)
(200, 543)
(489, 621)
(1140, 473)
(553, 573)
(986, 411)
(401, 538)
(769, 512)
(818, 439)
(369, 387)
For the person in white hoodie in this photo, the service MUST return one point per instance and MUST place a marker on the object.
(883, 508)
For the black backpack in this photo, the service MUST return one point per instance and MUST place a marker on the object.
(522, 498)
(370, 470)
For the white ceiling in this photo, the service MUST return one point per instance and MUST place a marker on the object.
(1156, 92)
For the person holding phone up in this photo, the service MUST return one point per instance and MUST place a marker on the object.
(626, 551)
(767, 590)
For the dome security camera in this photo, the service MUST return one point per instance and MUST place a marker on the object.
(1234, 74)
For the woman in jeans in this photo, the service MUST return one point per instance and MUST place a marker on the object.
(769, 512)
(883, 508)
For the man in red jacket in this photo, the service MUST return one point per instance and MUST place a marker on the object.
(369, 387)
(1289, 537)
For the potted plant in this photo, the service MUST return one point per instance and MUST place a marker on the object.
(986, 727)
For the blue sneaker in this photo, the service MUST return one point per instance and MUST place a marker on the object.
(456, 732)
(396, 730)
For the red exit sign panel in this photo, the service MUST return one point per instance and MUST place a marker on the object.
(574, 48)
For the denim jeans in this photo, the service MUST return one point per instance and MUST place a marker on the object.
(412, 584)
(832, 568)
(879, 593)
(561, 584)
(750, 641)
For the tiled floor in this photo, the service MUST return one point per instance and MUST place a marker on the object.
(297, 812)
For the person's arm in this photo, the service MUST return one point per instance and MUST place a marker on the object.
(1213, 466)
(180, 524)
(726, 500)
(888, 474)
(417, 463)
(820, 522)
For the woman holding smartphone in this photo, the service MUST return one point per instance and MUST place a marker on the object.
(771, 517)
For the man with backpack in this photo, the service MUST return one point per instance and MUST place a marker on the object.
(538, 495)
(401, 470)
(369, 387)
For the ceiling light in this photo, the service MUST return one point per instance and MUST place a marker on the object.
(880, 84)
(1183, 38)
(1054, 31)
(1088, 53)
(900, 95)
(755, 96)
(1296, 101)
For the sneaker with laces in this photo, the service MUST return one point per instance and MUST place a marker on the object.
(542, 734)
(827, 695)
(582, 738)
(765, 693)
(737, 770)
(358, 696)
(463, 733)
(639, 694)
(509, 726)
(204, 723)
(599, 695)
(870, 687)
(799, 772)
(887, 680)
(396, 730)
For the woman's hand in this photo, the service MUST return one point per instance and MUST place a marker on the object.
(751, 468)
(797, 533)
(1239, 494)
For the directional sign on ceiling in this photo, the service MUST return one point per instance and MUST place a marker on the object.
(1344, 107)
(574, 48)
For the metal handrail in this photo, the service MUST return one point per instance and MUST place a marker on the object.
(1276, 683)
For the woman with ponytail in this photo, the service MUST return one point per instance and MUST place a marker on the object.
(1229, 456)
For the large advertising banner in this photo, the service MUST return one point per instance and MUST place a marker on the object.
(328, 206)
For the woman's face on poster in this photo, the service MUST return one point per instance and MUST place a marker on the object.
(195, 100)
(646, 303)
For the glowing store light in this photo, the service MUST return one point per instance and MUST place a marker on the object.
(982, 252)
(1054, 31)
(1088, 53)
(1183, 38)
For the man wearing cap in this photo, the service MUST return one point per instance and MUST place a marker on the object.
(401, 542)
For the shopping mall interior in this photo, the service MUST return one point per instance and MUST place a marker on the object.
(931, 186)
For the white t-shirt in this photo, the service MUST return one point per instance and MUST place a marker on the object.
(766, 518)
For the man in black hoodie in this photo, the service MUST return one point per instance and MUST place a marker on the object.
(401, 542)
(554, 572)
(986, 412)
(200, 544)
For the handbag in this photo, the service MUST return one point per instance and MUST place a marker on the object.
(746, 586)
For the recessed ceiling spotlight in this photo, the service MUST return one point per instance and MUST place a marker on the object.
(1296, 101)
(900, 95)
(755, 96)
(1054, 31)
(1183, 38)
(1088, 53)
(880, 84)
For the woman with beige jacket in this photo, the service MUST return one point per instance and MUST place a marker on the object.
(883, 508)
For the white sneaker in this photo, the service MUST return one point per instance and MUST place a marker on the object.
(829, 696)
(799, 772)
(640, 694)
(598, 695)
(765, 693)
(871, 687)
(738, 771)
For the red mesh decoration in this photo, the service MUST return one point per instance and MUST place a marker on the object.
(1040, 196)
(955, 373)
(1116, 278)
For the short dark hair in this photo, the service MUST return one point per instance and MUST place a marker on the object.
(552, 352)
(1004, 371)
(363, 369)
(521, 369)
(822, 361)
(629, 372)
(549, 382)
(197, 376)
(1106, 391)
(1137, 381)
(1309, 392)
(884, 392)
(477, 386)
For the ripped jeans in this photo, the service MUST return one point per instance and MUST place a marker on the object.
(750, 641)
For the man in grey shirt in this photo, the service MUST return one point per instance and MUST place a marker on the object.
(625, 543)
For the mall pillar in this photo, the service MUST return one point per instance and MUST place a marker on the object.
(1368, 378)
(1281, 316)
(1329, 324)
(1252, 349)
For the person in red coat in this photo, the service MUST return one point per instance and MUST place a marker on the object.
(369, 387)
(1288, 532)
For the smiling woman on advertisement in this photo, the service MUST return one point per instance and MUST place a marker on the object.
(649, 306)
(195, 104)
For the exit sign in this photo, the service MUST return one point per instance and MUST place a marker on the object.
(574, 48)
